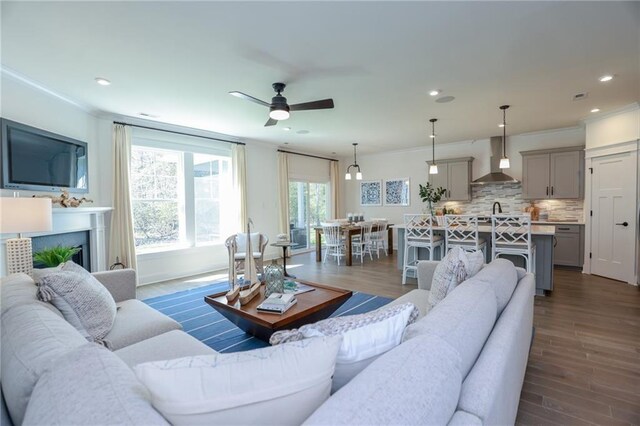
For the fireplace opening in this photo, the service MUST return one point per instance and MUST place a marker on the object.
(71, 239)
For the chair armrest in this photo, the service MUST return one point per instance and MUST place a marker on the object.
(121, 283)
(426, 268)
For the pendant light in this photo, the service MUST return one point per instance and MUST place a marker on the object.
(504, 161)
(433, 168)
(347, 176)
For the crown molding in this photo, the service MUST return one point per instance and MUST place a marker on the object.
(600, 116)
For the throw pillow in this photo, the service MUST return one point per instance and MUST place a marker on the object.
(241, 242)
(84, 302)
(277, 385)
(365, 337)
(450, 272)
(475, 262)
(90, 385)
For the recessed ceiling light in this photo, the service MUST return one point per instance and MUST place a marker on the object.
(595, 110)
(606, 78)
(144, 114)
(286, 129)
(500, 125)
(434, 92)
(432, 136)
(302, 132)
(102, 81)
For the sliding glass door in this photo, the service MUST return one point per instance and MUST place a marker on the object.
(308, 207)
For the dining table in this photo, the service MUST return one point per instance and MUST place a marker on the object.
(349, 230)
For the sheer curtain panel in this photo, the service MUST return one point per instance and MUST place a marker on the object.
(122, 246)
(334, 172)
(283, 191)
(239, 164)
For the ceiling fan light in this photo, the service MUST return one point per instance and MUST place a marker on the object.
(358, 176)
(347, 176)
(279, 114)
(433, 169)
(504, 163)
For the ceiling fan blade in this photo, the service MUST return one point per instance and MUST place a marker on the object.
(270, 122)
(323, 104)
(249, 98)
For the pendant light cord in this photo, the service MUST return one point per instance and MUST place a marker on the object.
(504, 133)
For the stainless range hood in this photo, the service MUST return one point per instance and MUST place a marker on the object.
(496, 176)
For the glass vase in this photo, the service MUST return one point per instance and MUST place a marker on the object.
(274, 278)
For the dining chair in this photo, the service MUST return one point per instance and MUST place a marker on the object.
(511, 235)
(333, 242)
(418, 234)
(462, 231)
(363, 245)
(379, 237)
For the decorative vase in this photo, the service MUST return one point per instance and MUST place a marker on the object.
(274, 277)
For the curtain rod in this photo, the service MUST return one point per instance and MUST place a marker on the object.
(178, 133)
(307, 155)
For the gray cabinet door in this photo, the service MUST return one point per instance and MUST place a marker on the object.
(458, 185)
(441, 179)
(535, 176)
(567, 249)
(566, 175)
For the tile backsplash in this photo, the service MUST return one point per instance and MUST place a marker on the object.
(509, 195)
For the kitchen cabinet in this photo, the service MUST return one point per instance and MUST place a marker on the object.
(553, 174)
(569, 245)
(454, 175)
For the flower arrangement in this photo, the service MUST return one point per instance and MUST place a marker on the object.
(431, 195)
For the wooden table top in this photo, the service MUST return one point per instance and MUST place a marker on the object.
(353, 227)
(308, 304)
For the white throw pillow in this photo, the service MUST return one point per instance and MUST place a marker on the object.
(475, 262)
(280, 385)
(83, 301)
(241, 242)
(365, 337)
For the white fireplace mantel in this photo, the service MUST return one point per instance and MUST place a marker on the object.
(73, 219)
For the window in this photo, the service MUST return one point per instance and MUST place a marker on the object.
(156, 197)
(308, 208)
(182, 196)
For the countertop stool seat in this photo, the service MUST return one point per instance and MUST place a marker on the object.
(511, 235)
(462, 231)
(418, 234)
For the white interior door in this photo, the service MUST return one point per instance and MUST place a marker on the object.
(613, 225)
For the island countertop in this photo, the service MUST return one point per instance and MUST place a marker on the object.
(535, 229)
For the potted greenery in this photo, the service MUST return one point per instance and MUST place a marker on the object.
(52, 257)
(431, 195)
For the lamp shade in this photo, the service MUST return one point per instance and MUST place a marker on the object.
(19, 215)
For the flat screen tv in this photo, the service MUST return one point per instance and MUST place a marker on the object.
(37, 160)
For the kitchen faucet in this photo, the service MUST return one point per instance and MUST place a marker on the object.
(494, 207)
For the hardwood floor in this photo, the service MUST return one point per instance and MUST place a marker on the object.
(584, 365)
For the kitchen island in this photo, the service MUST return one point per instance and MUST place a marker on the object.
(541, 236)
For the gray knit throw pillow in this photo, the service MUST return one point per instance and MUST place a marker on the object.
(84, 302)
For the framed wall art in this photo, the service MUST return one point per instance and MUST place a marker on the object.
(397, 192)
(371, 193)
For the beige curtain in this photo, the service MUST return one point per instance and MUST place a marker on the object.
(283, 191)
(334, 171)
(239, 161)
(121, 242)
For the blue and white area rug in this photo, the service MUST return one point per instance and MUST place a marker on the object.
(207, 325)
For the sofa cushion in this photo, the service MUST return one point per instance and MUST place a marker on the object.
(503, 277)
(136, 322)
(82, 299)
(464, 319)
(416, 383)
(17, 289)
(462, 418)
(418, 297)
(170, 345)
(448, 274)
(277, 385)
(33, 339)
(364, 337)
(90, 385)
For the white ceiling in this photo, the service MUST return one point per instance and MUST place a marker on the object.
(377, 60)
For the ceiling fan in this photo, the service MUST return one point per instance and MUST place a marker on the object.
(279, 109)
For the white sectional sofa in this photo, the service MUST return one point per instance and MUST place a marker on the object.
(462, 363)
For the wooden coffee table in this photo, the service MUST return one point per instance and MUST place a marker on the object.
(311, 307)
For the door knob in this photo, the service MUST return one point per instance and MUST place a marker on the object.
(623, 223)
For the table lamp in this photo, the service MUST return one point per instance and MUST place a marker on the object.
(18, 215)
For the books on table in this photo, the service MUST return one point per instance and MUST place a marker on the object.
(278, 303)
